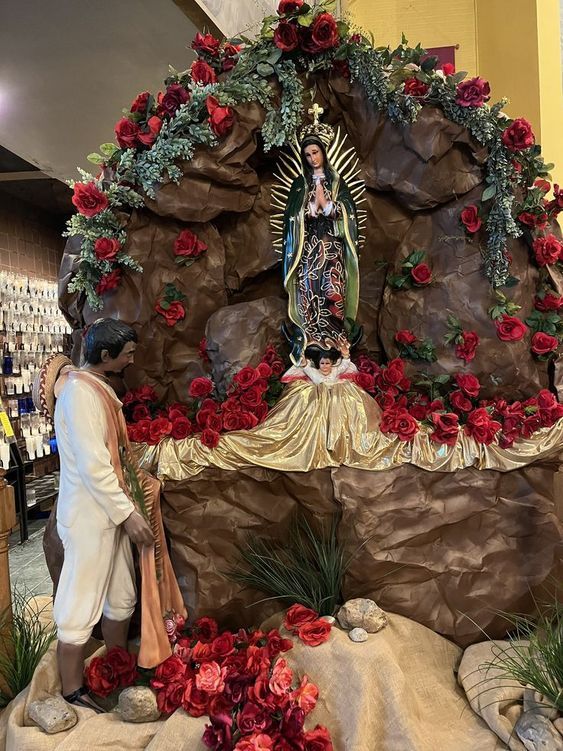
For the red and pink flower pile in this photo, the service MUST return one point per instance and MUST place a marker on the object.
(449, 405)
(248, 399)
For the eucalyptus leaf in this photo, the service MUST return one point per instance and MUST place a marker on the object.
(96, 158)
(264, 70)
(489, 192)
(108, 149)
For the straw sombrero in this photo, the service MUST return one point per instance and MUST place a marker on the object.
(43, 389)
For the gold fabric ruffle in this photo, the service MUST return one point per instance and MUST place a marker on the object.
(314, 427)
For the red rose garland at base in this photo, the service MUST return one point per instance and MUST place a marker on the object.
(238, 679)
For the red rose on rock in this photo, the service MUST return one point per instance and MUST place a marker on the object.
(446, 428)
(209, 438)
(547, 250)
(318, 740)
(173, 313)
(200, 387)
(203, 73)
(421, 274)
(106, 248)
(123, 664)
(481, 427)
(100, 677)
(510, 328)
(297, 615)
(518, 136)
(465, 349)
(314, 633)
(148, 137)
(459, 401)
(126, 133)
(469, 384)
(548, 302)
(140, 102)
(181, 428)
(289, 6)
(221, 119)
(172, 99)
(286, 37)
(544, 344)
(405, 336)
(188, 244)
(473, 92)
(108, 282)
(414, 87)
(470, 218)
(324, 31)
(88, 199)
(206, 43)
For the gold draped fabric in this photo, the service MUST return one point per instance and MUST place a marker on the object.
(314, 427)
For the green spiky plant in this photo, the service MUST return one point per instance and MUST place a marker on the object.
(24, 638)
(307, 568)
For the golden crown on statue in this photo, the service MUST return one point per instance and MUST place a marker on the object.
(322, 131)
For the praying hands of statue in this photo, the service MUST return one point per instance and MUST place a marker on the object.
(320, 196)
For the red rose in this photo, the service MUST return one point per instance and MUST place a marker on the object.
(140, 102)
(124, 666)
(469, 384)
(159, 428)
(188, 244)
(106, 248)
(206, 629)
(398, 420)
(194, 701)
(317, 740)
(543, 344)
(470, 218)
(341, 68)
(88, 200)
(277, 643)
(414, 87)
(202, 351)
(223, 645)
(206, 43)
(173, 313)
(365, 381)
(148, 137)
(141, 431)
(543, 185)
(446, 428)
(538, 221)
(214, 422)
(172, 670)
(141, 413)
(200, 387)
(394, 372)
(220, 119)
(297, 615)
(246, 377)
(231, 421)
(448, 69)
(465, 349)
(481, 427)
(473, 92)
(286, 37)
(203, 73)
(209, 438)
(108, 282)
(146, 393)
(547, 250)
(264, 370)
(510, 328)
(100, 678)
(548, 302)
(405, 337)
(126, 132)
(252, 396)
(421, 274)
(314, 633)
(181, 428)
(289, 6)
(175, 96)
(248, 420)
(324, 31)
(518, 136)
(459, 401)
(170, 697)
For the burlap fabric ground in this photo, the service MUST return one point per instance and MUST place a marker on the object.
(395, 692)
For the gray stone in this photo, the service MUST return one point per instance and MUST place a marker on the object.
(358, 634)
(362, 613)
(138, 704)
(53, 715)
(329, 619)
(537, 733)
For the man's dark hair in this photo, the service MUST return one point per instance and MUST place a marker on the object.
(106, 333)
(316, 354)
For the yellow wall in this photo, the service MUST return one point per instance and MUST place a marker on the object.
(514, 44)
(439, 23)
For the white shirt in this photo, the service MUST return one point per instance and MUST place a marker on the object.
(344, 368)
(88, 483)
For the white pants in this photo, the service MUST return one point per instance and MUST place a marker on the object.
(98, 576)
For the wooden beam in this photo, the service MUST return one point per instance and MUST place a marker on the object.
(197, 14)
(12, 177)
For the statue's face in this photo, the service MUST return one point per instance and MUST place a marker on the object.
(314, 156)
(325, 365)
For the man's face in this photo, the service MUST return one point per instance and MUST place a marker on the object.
(123, 359)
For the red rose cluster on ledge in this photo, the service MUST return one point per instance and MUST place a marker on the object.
(446, 405)
(237, 679)
(248, 399)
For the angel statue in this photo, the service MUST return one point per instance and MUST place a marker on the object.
(320, 237)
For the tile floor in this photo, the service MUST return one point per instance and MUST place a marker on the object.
(28, 570)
